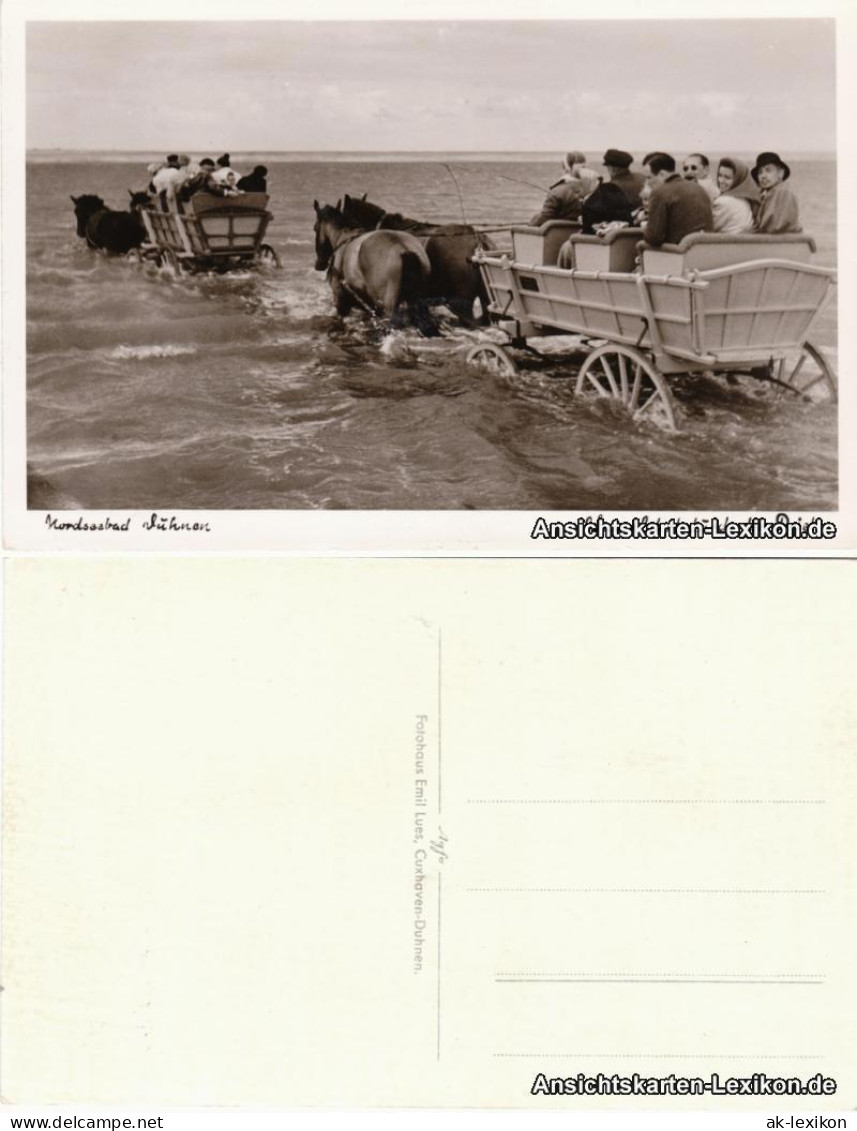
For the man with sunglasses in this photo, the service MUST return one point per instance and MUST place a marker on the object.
(696, 167)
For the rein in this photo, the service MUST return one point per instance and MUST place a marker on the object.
(332, 268)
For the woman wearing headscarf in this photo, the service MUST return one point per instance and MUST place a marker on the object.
(733, 208)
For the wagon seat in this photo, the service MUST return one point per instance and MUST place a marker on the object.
(705, 251)
(538, 246)
(615, 251)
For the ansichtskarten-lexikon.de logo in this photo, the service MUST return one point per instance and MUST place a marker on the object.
(593, 527)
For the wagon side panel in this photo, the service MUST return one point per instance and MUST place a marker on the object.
(233, 233)
(672, 313)
(763, 309)
(598, 305)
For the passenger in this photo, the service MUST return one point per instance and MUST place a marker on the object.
(565, 196)
(200, 182)
(677, 207)
(589, 179)
(778, 207)
(607, 205)
(229, 185)
(255, 181)
(224, 168)
(638, 218)
(696, 167)
(618, 164)
(733, 208)
(167, 181)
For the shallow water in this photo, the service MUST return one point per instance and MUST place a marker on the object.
(244, 391)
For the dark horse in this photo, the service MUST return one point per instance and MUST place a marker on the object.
(105, 229)
(454, 279)
(378, 271)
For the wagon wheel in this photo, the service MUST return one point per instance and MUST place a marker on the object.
(624, 374)
(491, 358)
(809, 374)
(268, 255)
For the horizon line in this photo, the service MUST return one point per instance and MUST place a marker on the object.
(362, 152)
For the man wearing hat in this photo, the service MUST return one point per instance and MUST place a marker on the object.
(778, 207)
(618, 165)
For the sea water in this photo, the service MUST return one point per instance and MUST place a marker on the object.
(245, 391)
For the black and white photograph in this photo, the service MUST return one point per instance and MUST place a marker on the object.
(431, 265)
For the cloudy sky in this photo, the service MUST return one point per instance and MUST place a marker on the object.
(728, 85)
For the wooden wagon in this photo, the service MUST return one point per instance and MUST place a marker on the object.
(213, 233)
(714, 303)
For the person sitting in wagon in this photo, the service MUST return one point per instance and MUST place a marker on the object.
(778, 207)
(737, 194)
(169, 179)
(257, 181)
(224, 170)
(618, 165)
(565, 197)
(696, 167)
(676, 207)
(200, 182)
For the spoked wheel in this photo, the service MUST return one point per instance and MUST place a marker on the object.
(808, 373)
(491, 358)
(626, 375)
(268, 256)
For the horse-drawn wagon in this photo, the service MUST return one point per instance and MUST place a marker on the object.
(719, 304)
(214, 233)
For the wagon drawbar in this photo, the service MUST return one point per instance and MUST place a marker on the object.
(713, 303)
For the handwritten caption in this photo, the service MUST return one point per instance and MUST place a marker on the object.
(160, 523)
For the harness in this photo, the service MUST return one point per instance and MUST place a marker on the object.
(334, 271)
(94, 216)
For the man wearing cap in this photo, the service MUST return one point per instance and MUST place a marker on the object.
(618, 165)
(565, 196)
(778, 207)
(676, 207)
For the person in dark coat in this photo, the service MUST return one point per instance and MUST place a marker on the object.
(563, 202)
(778, 207)
(255, 181)
(200, 182)
(618, 164)
(606, 205)
(677, 207)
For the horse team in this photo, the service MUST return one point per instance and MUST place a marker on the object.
(383, 263)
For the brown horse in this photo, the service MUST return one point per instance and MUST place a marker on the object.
(377, 271)
(455, 280)
(105, 229)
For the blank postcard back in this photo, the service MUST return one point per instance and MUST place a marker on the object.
(429, 833)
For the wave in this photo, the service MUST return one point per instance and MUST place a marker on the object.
(141, 353)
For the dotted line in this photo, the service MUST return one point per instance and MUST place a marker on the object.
(662, 1055)
(640, 801)
(665, 891)
(660, 981)
(637, 974)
